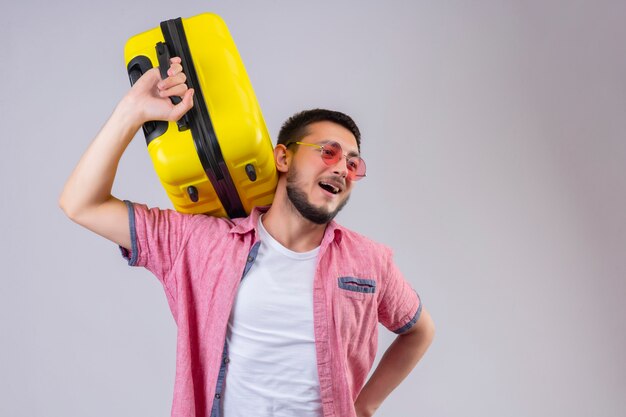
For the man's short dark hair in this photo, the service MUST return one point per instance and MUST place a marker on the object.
(295, 127)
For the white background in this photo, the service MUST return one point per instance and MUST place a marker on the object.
(495, 138)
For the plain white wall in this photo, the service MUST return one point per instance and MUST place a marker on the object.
(495, 139)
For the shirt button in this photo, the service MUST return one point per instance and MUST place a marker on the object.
(218, 396)
(250, 259)
(226, 360)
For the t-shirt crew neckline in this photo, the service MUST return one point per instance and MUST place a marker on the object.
(266, 237)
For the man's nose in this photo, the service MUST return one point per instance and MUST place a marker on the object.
(341, 167)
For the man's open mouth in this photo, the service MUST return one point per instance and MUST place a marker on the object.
(331, 188)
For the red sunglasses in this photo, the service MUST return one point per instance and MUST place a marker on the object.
(332, 152)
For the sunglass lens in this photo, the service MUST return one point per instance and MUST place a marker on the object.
(331, 152)
(356, 167)
(354, 164)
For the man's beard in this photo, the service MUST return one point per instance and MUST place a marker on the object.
(317, 215)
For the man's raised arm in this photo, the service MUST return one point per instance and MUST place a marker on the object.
(86, 197)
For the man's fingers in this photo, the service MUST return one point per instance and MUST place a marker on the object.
(175, 66)
(174, 69)
(183, 107)
(177, 90)
(172, 81)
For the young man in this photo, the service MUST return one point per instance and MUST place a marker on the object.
(276, 313)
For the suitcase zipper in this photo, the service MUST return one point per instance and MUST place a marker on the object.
(202, 130)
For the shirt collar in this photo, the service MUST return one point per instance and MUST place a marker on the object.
(248, 224)
(333, 232)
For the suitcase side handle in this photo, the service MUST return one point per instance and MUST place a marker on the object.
(163, 55)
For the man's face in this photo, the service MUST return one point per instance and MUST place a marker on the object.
(319, 191)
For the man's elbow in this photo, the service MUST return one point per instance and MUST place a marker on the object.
(64, 206)
(72, 208)
(67, 208)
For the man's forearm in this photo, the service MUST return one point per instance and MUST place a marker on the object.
(397, 362)
(86, 198)
(92, 179)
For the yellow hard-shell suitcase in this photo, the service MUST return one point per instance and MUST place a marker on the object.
(218, 158)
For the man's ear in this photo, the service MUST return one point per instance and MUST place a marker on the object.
(281, 158)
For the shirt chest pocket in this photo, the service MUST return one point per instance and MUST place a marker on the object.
(359, 288)
(355, 309)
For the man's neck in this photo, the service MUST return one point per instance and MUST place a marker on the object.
(285, 224)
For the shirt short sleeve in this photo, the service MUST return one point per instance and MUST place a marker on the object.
(157, 237)
(400, 306)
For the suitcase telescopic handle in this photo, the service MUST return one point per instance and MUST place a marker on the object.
(163, 55)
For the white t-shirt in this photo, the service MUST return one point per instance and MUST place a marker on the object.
(271, 343)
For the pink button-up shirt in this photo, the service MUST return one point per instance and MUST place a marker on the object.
(200, 261)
